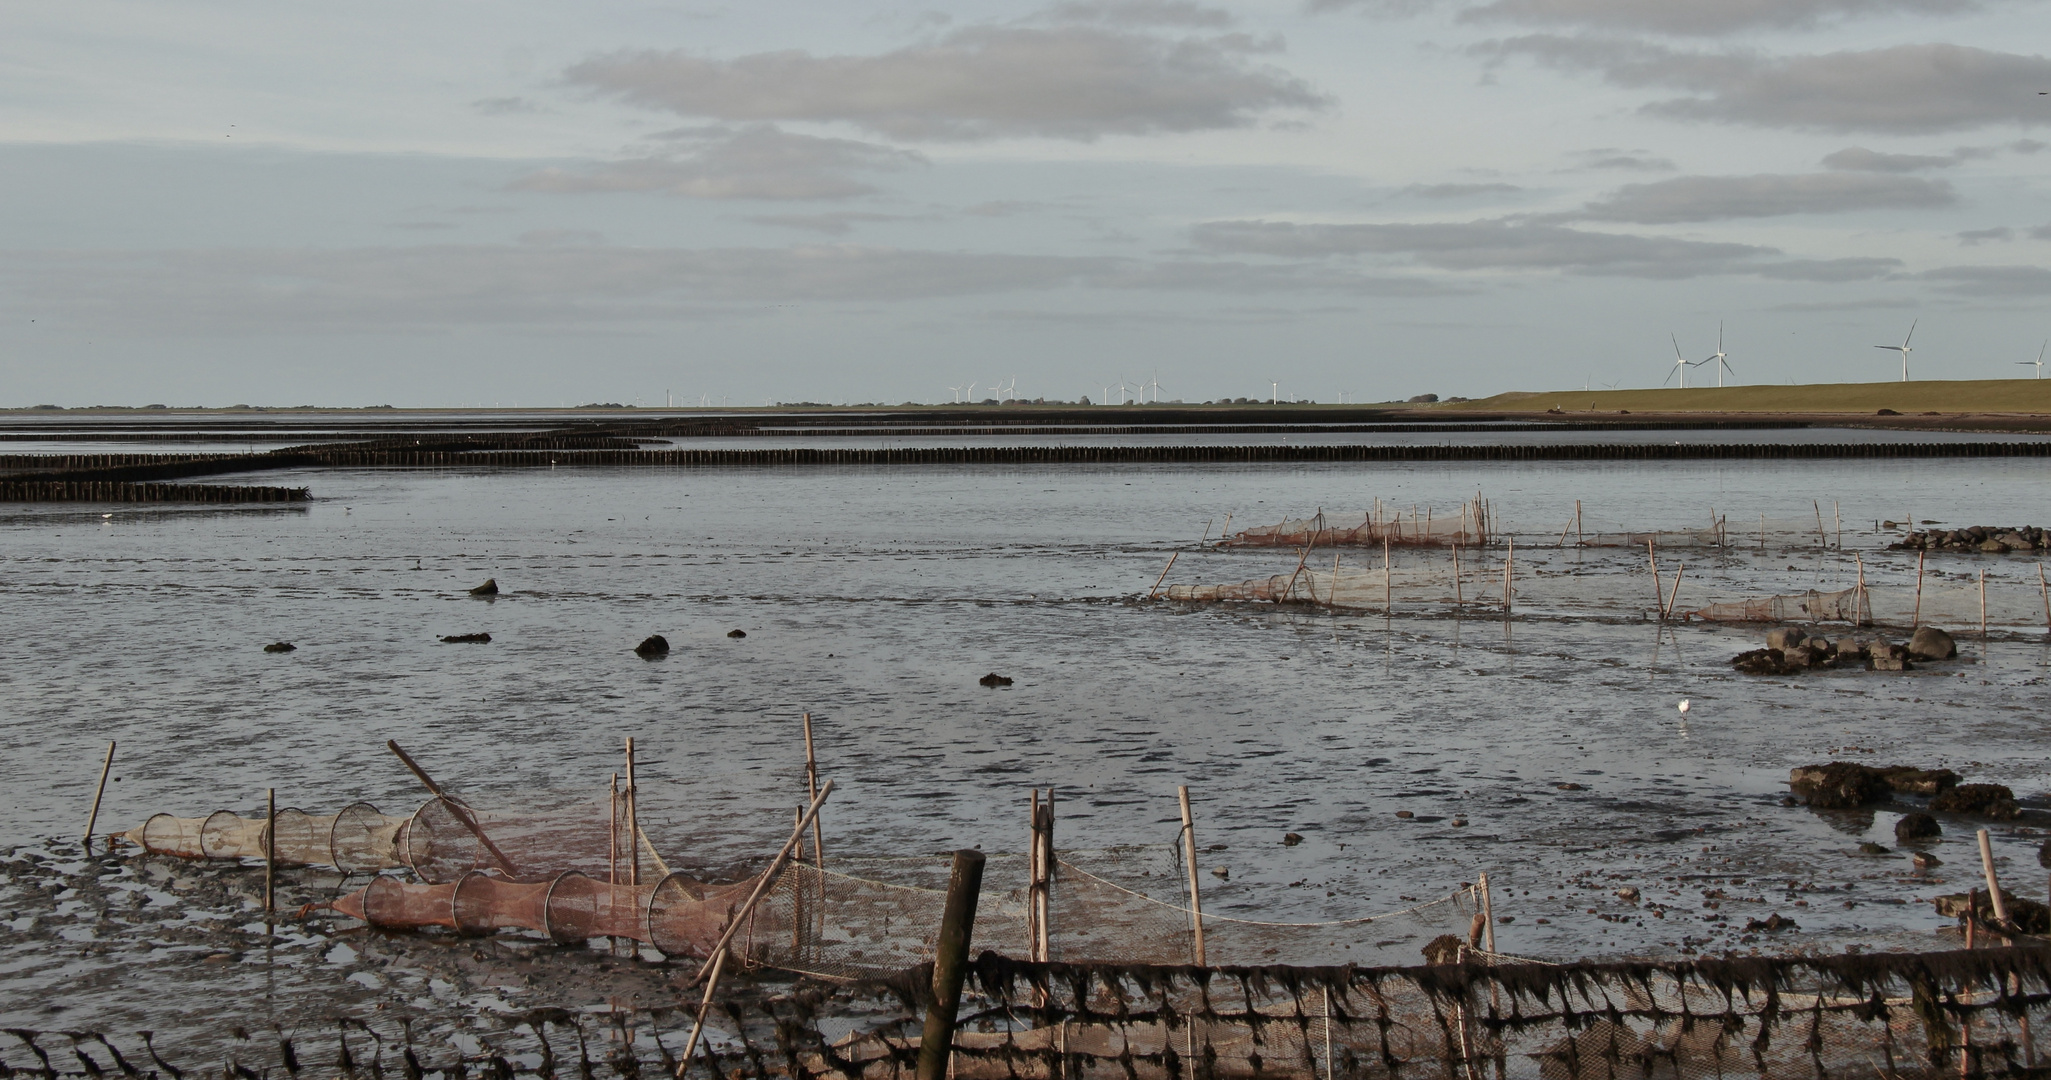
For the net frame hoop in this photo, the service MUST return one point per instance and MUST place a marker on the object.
(548, 922)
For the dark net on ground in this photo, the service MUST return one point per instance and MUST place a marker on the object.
(1961, 1014)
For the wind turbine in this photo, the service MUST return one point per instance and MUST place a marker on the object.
(1903, 349)
(1156, 384)
(972, 393)
(2038, 363)
(956, 390)
(1680, 365)
(1722, 365)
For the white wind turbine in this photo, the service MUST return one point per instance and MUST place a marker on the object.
(972, 393)
(1722, 364)
(956, 391)
(2038, 363)
(1903, 349)
(1680, 365)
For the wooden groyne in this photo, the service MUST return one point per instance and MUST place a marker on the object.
(114, 491)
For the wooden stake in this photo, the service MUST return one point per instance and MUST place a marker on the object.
(455, 805)
(704, 1006)
(739, 918)
(1196, 907)
(1675, 595)
(633, 819)
(1577, 521)
(1837, 522)
(93, 819)
(1861, 612)
(612, 860)
(1172, 556)
(1994, 897)
(1510, 576)
(812, 791)
(1332, 594)
(1658, 591)
(1762, 532)
(1916, 620)
(1388, 590)
(1045, 943)
(2046, 590)
(1033, 880)
(270, 851)
(1458, 601)
(1983, 605)
(950, 964)
(1564, 529)
(1822, 538)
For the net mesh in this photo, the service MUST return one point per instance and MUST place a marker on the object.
(1467, 525)
(358, 838)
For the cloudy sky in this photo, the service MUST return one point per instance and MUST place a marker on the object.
(430, 203)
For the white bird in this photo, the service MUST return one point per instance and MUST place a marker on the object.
(1903, 349)
(1684, 704)
(2038, 363)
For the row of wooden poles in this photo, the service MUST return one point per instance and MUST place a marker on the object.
(115, 491)
(778, 429)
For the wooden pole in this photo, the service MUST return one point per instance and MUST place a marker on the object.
(762, 884)
(1762, 531)
(1916, 620)
(1172, 556)
(1658, 591)
(1861, 612)
(1033, 880)
(455, 805)
(1577, 521)
(812, 791)
(704, 1006)
(1983, 605)
(633, 819)
(1510, 576)
(270, 851)
(1047, 858)
(92, 819)
(2046, 590)
(1458, 601)
(1196, 906)
(1837, 522)
(950, 964)
(1388, 590)
(1332, 594)
(612, 861)
(1994, 897)
(1564, 530)
(1822, 538)
(1674, 596)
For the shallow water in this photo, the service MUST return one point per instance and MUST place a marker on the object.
(874, 598)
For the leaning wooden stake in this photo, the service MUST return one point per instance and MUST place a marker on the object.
(1994, 897)
(1837, 522)
(1916, 619)
(1196, 906)
(1577, 521)
(1172, 556)
(455, 806)
(107, 765)
(950, 964)
(1658, 591)
(270, 851)
(633, 819)
(1822, 538)
(812, 790)
(1674, 596)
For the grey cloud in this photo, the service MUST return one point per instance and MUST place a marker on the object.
(1070, 82)
(561, 238)
(422, 226)
(1852, 269)
(1720, 198)
(1007, 208)
(504, 106)
(2029, 146)
(2003, 234)
(756, 162)
(1238, 278)
(1697, 17)
(1860, 159)
(1457, 191)
(1988, 281)
(834, 224)
(1489, 244)
(1904, 89)
(1628, 163)
(1141, 13)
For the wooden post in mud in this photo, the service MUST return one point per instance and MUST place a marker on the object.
(2046, 590)
(704, 1006)
(1043, 933)
(1458, 601)
(1861, 611)
(1994, 897)
(1332, 594)
(950, 964)
(1033, 879)
(812, 791)
(1388, 589)
(456, 807)
(270, 851)
(1916, 619)
(1577, 522)
(1658, 591)
(1837, 522)
(1822, 538)
(612, 832)
(633, 821)
(107, 765)
(1762, 530)
(1196, 906)
(1172, 556)
(1509, 576)
(1983, 605)
(1674, 596)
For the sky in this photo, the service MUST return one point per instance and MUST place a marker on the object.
(436, 203)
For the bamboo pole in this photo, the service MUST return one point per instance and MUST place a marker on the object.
(2046, 590)
(1674, 596)
(612, 859)
(1983, 605)
(763, 884)
(633, 819)
(1458, 601)
(704, 1007)
(1994, 896)
(1332, 594)
(92, 819)
(1196, 907)
(1510, 577)
(1658, 591)
(1837, 522)
(1172, 556)
(1388, 590)
(455, 805)
(1762, 530)
(1916, 620)
(1564, 529)
(1033, 879)
(270, 851)
(1045, 943)
(1822, 538)
(1861, 611)
(950, 964)
(812, 791)
(1577, 521)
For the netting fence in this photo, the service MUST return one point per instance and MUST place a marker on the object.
(1956, 1014)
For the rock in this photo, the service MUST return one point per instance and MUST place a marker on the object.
(1886, 412)
(1916, 826)
(489, 588)
(2044, 855)
(736, 633)
(1771, 924)
(653, 645)
(1913, 781)
(1405, 814)
(2029, 916)
(1923, 860)
(1291, 839)
(1982, 800)
(1846, 648)
(1887, 663)
(1839, 785)
(1819, 645)
(1223, 872)
(1930, 643)
(1801, 656)
(466, 639)
(994, 679)
(1993, 547)
(1570, 786)
(1628, 894)
(280, 646)
(1763, 662)
(1786, 638)
(1868, 847)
